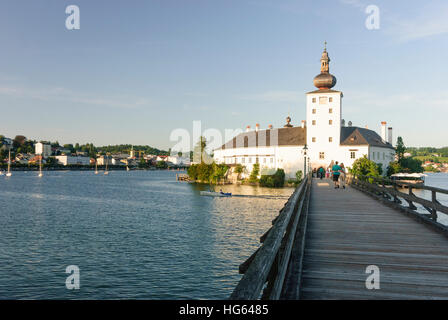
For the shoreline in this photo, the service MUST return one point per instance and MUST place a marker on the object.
(88, 169)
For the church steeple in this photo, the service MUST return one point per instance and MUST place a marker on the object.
(325, 80)
(325, 61)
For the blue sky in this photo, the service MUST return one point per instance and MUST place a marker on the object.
(138, 69)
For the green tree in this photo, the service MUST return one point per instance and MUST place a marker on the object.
(411, 165)
(365, 167)
(161, 165)
(219, 172)
(394, 167)
(192, 172)
(299, 175)
(400, 149)
(255, 172)
(199, 153)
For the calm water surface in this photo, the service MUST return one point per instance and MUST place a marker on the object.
(137, 234)
(439, 180)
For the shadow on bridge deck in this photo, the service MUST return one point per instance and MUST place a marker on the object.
(348, 231)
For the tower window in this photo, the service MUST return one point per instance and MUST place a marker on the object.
(330, 122)
(313, 139)
(314, 100)
(314, 111)
(314, 122)
(330, 139)
(321, 155)
(330, 110)
(330, 99)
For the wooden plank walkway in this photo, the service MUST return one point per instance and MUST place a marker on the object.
(348, 230)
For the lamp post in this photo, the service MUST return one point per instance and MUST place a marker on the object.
(304, 150)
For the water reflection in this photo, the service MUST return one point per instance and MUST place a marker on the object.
(133, 235)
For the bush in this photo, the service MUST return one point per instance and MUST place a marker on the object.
(208, 173)
(365, 167)
(394, 167)
(276, 180)
(239, 168)
(299, 175)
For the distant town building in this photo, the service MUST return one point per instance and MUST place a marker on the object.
(42, 149)
(69, 160)
(179, 161)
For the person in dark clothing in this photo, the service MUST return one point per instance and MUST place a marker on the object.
(321, 173)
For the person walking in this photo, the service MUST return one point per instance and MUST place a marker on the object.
(342, 176)
(321, 173)
(336, 169)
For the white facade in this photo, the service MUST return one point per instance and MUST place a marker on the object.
(323, 113)
(288, 158)
(42, 149)
(68, 160)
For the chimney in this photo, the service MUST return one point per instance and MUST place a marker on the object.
(303, 123)
(257, 127)
(343, 123)
(367, 127)
(270, 127)
(247, 128)
(383, 131)
(389, 137)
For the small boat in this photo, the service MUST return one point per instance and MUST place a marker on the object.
(417, 179)
(8, 174)
(106, 172)
(40, 175)
(216, 194)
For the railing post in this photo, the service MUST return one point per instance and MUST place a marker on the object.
(434, 201)
(411, 204)
(396, 199)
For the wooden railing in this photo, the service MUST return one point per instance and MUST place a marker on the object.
(270, 273)
(392, 191)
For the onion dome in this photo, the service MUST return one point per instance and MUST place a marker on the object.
(288, 122)
(325, 80)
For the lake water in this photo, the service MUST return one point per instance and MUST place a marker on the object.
(439, 180)
(138, 234)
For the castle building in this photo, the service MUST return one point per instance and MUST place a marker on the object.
(320, 140)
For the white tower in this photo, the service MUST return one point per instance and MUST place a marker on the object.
(323, 115)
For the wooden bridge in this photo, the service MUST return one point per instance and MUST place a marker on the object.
(323, 241)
